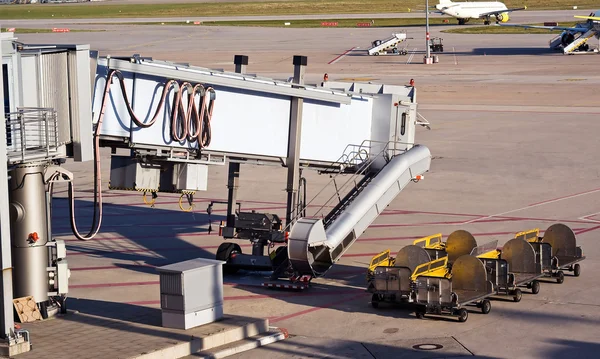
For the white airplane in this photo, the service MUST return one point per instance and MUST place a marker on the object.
(465, 11)
(572, 39)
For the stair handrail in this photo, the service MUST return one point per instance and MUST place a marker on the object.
(363, 167)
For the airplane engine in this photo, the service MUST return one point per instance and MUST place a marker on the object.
(567, 38)
(503, 17)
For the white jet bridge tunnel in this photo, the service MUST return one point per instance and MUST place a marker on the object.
(167, 124)
(196, 117)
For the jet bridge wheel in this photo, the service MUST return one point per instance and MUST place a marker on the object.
(224, 253)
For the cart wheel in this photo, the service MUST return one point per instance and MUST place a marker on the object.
(375, 301)
(463, 315)
(535, 287)
(517, 295)
(577, 270)
(224, 253)
(560, 277)
(486, 306)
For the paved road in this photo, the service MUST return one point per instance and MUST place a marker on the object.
(516, 17)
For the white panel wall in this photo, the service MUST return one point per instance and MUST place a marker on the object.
(244, 122)
(29, 76)
(327, 129)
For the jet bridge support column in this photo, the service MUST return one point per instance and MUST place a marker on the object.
(295, 135)
(6, 286)
(233, 176)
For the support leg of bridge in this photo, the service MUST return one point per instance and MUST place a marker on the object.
(233, 178)
(295, 135)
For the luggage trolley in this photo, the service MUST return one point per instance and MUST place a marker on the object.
(525, 266)
(466, 284)
(390, 279)
(565, 254)
(458, 243)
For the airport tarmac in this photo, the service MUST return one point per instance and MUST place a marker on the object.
(514, 147)
(517, 17)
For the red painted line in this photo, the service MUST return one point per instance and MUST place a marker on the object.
(545, 219)
(144, 302)
(297, 294)
(400, 211)
(361, 254)
(512, 111)
(311, 310)
(125, 266)
(265, 296)
(164, 249)
(107, 285)
(137, 238)
(342, 55)
(586, 230)
(565, 197)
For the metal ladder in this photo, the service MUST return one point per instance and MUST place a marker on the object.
(579, 41)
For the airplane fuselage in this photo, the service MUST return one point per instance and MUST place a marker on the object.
(472, 10)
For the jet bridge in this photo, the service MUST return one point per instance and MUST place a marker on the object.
(194, 117)
(168, 124)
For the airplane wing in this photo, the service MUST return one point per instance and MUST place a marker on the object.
(502, 11)
(595, 18)
(575, 29)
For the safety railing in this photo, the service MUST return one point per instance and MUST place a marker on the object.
(361, 159)
(430, 242)
(31, 134)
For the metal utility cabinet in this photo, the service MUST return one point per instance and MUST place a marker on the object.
(191, 293)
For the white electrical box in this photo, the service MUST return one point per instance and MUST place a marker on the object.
(128, 174)
(191, 177)
(63, 276)
(191, 293)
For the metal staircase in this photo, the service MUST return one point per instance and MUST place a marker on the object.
(319, 241)
(579, 42)
(348, 198)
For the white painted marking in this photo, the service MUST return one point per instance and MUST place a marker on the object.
(530, 206)
(586, 217)
(454, 52)
(412, 54)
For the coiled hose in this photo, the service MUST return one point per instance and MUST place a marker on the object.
(202, 134)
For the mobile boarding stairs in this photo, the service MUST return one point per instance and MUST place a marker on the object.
(388, 46)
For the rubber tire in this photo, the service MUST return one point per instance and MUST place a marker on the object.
(419, 314)
(517, 295)
(535, 287)
(463, 315)
(375, 301)
(224, 253)
(486, 306)
(560, 277)
(577, 270)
